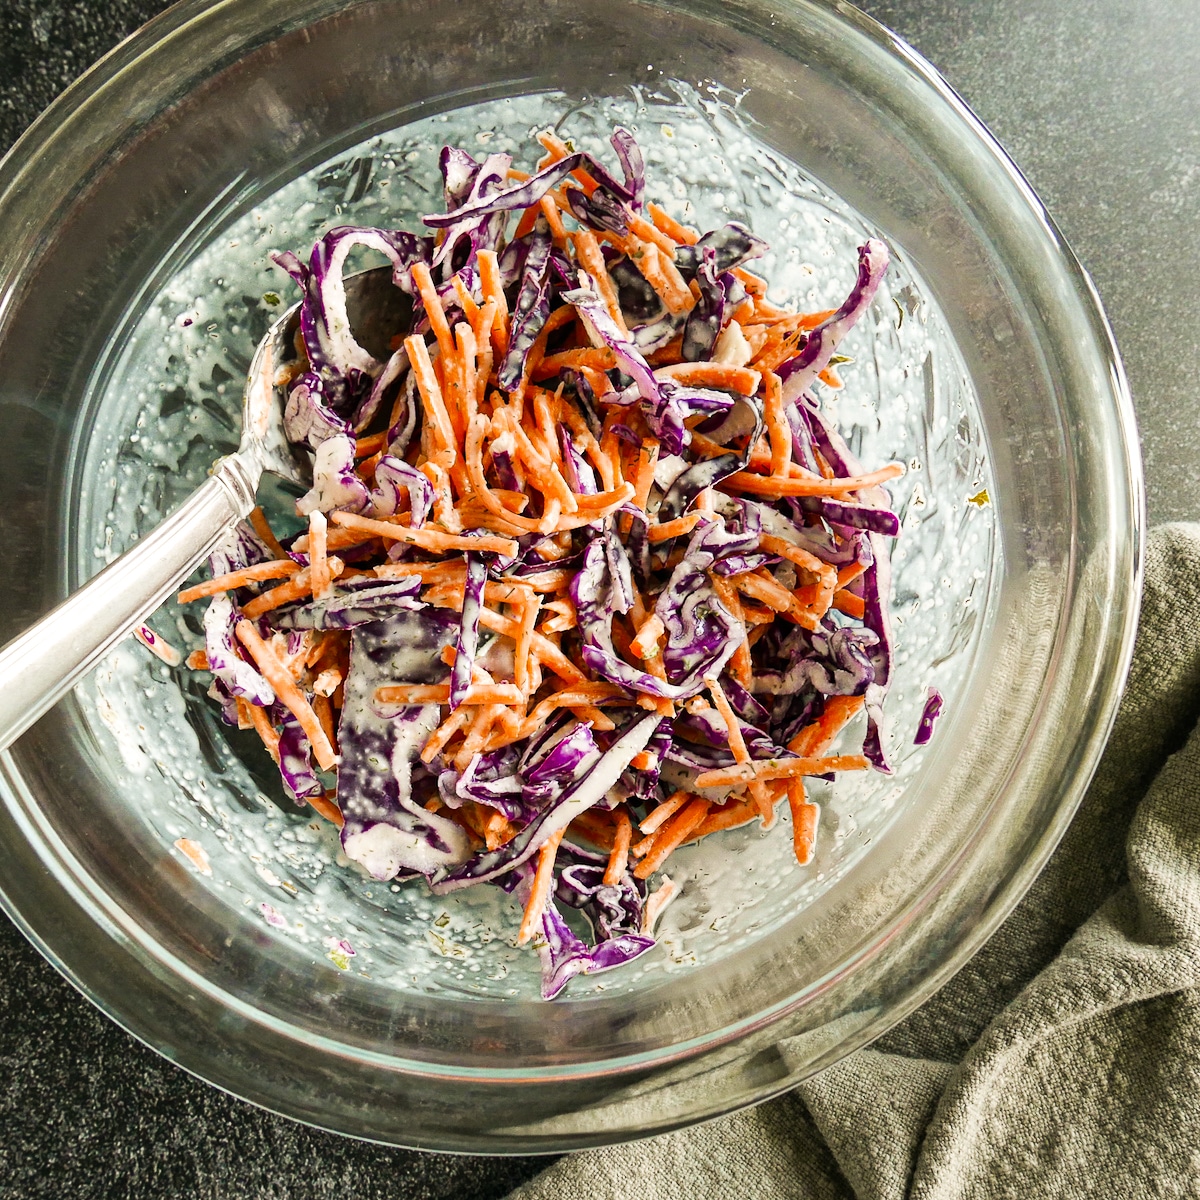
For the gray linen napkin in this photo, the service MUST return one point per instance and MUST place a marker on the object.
(1064, 1059)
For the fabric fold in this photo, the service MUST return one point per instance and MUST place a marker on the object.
(1064, 1059)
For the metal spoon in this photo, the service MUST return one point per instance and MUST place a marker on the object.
(40, 665)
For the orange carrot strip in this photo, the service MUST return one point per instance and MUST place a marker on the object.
(647, 232)
(318, 560)
(439, 693)
(774, 595)
(287, 693)
(197, 661)
(619, 857)
(645, 644)
(659, 272)
(671, 227)
(587, 251)
(437, 740)
(435, 572)
(364, 447)
(801, 557)
(848, 574)
(437, 418)
(328, 809)
(477, 735)
(778, 431)
(265, 730)
(654, 819)
(804, 822)
(712, 374)
(643, 476)
(523, 655)
(556, 149)
(762, 485)
(578, 692)
(493, 289)
(589, 712)
(324, 711)
(423, 281)
(466, 301)
(815, 739)
(543, 879)
(672, 835)
(731, 816)
(599, 358)
(236, 579)
(737, 747)
(296, 588)
(427, 539)
(675, 528)
(262, 527)
(850, 604)
(554, 220)
(779, 768)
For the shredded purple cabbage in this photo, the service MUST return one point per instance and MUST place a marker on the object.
(427, 787)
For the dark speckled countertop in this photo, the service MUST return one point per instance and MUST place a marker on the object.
(1096, 100)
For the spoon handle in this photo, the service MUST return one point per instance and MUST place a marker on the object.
(40, 665)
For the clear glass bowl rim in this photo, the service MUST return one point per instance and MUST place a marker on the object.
(42, 141)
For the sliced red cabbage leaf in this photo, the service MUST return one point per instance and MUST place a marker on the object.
(798, 373)
(929, 714)
(336, 485)
(356, 602)
(295, 758)
(586, 792)
(237, 675)
(386, 829)
(732, 245)
(392, 475)
(532, 307)
(468, 633)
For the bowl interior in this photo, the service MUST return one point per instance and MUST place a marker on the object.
(137, 313)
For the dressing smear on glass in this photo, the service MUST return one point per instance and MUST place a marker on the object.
(171, 404)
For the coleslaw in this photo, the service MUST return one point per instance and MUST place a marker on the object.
(588, 574)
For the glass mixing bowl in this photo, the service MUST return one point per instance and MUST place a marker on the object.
(137, 214)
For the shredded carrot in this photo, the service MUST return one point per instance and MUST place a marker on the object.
(431, 396)
(439, 738)
(850, 604)
(426, 538)
(671, 227)
(599, 358)
(493, 290)
(779, 768)
(778, 430)
(711, 374)
(760, 485)
(815, 739)
(328, 809)
(645, 644)
(265, 730)
(262, 527)
(286, 692)
(318, 560)
(804, 822)
(619, 857)
(670, 529)
(587, 249)
(296, 588)
(439, 693)
(423, 280)
(672, 835)
(661, 812)
(237, 579)
(197, 661)
(543, 880)
(731, 816)
(848, 574)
